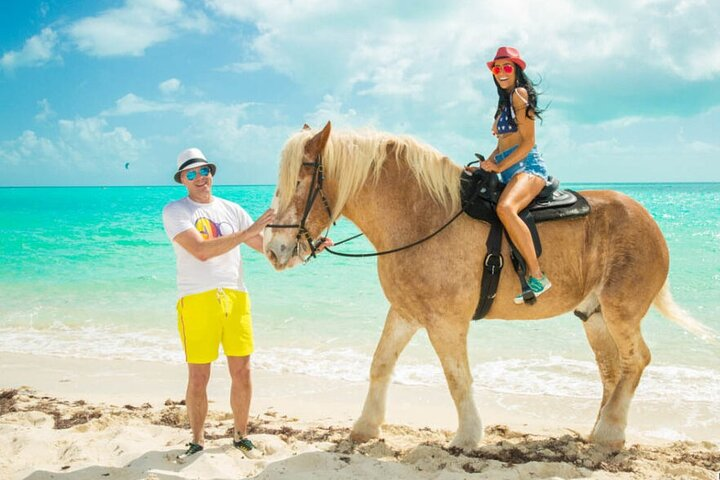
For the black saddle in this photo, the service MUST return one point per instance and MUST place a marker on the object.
(481, 190)
(480, 193)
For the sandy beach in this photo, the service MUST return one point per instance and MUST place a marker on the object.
(71, 418)
(354, 121)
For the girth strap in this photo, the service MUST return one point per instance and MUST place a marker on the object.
(494, 263)
(491, 271)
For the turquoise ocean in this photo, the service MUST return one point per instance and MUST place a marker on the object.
(89, 272)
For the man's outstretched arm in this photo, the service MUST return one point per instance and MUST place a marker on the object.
(203, 250)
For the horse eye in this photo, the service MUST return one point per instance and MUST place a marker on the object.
(297, 184)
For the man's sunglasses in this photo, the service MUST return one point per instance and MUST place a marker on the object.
(204, 171)
(507, 68)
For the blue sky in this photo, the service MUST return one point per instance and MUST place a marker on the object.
(632, 86)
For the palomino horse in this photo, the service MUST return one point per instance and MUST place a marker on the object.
(609, 266)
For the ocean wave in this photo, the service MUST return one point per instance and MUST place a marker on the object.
(92, 342)
(552, 375)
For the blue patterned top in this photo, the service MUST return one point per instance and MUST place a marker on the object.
(506, 120)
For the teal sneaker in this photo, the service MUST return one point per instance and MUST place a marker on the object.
(193, 448)
(246, 446)
(537, 285)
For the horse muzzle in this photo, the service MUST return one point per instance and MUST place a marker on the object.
(283, 252)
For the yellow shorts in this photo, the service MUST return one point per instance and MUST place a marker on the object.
(207, 319)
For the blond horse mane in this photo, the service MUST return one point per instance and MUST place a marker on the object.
(351, 159)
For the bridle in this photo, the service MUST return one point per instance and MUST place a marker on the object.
(316, 188)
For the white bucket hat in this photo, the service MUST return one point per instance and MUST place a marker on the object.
(192, 158)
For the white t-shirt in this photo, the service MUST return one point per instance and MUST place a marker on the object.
(215, 219)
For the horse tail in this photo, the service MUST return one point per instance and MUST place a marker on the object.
(665, 303)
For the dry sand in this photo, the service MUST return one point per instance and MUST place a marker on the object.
(85, 419)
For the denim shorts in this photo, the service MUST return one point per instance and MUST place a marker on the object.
(532, 164)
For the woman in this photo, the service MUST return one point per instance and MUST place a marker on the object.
(516, 158)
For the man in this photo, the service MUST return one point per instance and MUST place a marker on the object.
(214, 307)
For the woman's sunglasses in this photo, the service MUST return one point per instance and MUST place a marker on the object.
(204, 171)
(507, 68)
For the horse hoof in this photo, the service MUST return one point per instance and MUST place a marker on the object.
(364, 434)
(465, 444)
(612, 444)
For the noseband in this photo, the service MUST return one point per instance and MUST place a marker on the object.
(316, 188)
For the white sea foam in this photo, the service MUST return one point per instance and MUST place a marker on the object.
(553, 375)
(667, 434)
(92, 342)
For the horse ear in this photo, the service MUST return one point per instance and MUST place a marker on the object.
(317, 143)
(306, 127)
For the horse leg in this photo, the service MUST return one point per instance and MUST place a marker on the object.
(395, 336)
(622, 320)
(603, 345)
(449, 339)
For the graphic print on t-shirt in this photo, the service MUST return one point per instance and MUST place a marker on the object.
(207, 228)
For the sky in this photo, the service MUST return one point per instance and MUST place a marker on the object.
(108, 92)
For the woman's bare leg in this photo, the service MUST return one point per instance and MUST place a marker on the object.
(519, 192)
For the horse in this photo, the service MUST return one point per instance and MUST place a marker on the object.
(608, 267)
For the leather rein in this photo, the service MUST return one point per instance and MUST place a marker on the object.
(316, 189)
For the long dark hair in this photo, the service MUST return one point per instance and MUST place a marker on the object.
(521, 80)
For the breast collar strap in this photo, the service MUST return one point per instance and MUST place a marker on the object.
(316, 188)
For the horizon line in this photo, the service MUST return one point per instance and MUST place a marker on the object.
(273, 184)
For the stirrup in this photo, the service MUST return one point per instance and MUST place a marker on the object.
(537, 288)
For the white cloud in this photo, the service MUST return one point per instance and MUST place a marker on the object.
(43, 9)
(135, 27)
(242, 67)
(683, 37)
(131, 104)
(223, 131)
(397, 51)
(418, 68)
(246, 151)
(88, 144)
(331, 109)
(214, 114)
(28, 149)
(170, 86)
(46, 111)
(37, 50)
(128, 30)
(282, 11)
(634, 149)
(93, 143)
(622, 122)
(421, 50)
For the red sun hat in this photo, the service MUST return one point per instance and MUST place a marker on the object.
(511, 54)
